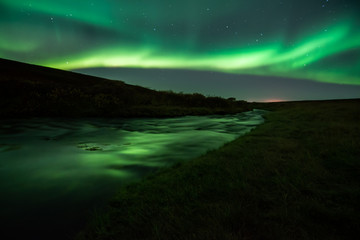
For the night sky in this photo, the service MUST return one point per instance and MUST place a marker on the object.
(256, 50)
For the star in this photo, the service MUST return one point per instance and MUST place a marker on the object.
(128, 34)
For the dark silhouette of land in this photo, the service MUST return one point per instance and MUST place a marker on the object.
(33, 91)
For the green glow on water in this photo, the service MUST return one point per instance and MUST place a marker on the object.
(78, 164)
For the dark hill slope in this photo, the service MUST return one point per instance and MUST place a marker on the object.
(33, 91)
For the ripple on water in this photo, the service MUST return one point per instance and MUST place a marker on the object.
(65, 167)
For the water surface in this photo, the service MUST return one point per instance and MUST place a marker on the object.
(53, 172)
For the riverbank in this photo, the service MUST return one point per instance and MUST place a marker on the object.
(294, 177)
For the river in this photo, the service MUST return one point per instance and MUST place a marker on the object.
(55, 172)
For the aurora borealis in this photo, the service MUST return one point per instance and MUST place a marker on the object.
(312, 40)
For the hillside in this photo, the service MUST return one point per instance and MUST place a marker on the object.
(34, 91)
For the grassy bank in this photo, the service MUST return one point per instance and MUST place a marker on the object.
(295, 177)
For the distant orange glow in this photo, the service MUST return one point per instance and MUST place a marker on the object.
(274, 100)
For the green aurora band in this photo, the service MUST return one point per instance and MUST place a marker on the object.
(257, 38)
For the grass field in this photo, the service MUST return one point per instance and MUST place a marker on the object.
(297, 176)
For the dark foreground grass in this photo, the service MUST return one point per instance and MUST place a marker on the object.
(295, 177)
